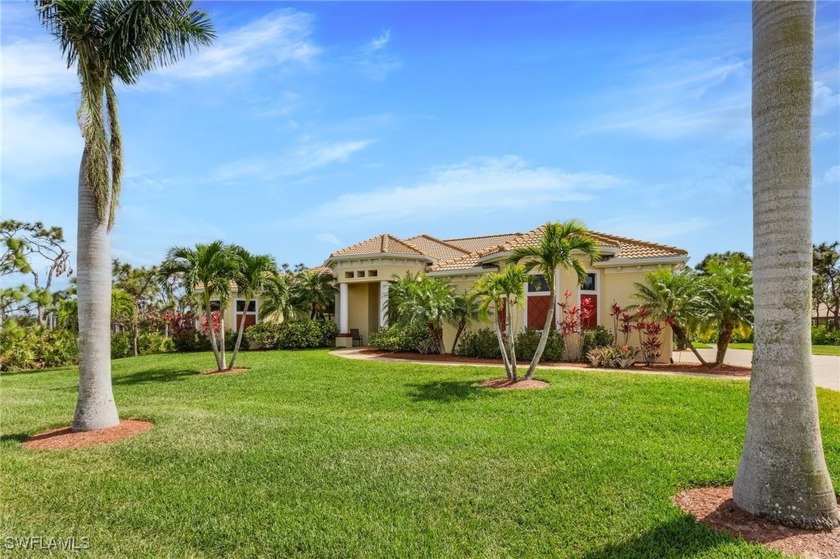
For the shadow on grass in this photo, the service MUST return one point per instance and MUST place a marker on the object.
(446, 391)
(154, 375)
(14, 437)
(683, 537)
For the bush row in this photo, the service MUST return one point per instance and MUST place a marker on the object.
(300, 334)
(148, 343)
(484, 344)
(399, 339)
(821, 335)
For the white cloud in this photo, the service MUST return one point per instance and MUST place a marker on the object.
(651, 228)
(36, 69)
(482, 184)
(280, 38)
(374, 59)
(824, 99)
(306, 158)
(327, 238)
(832, 176)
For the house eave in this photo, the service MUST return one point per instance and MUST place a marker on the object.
(621, 262)
(378, 256)
(476, 270)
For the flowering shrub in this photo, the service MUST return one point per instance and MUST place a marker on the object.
(570, 325)
(649, 337)
(622, 322)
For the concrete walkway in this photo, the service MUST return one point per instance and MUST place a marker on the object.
(826, 367)
(358, 354)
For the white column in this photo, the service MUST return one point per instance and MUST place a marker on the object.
(384, 286)
(343, 310)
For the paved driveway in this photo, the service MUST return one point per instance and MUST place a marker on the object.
(826, 367)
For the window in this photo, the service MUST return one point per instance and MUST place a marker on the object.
(373, 273)
(240, 306)
(537, 284)
(589, 283)
(215, 306)
(360, 274)
(349, 275)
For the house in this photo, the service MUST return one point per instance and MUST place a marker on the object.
(363, 271)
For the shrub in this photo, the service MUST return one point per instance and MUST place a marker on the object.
(398, 338)
(154, 342)
(613, 357)
(187, 341)
(35, 347)
(264, 335)
(329, 330)
(481, 343)
(301, 334)
(597, 337)
(527, 341)
(121, 345)
(823, 336)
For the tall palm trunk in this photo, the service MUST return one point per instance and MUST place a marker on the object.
(782, 474)
(679, 332)
(239, 334)
(549, 320)
(211, 333)
(514, 374)
(95, 407)
(502, 347)
(723, 340)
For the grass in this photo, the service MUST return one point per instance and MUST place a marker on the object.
(311, 455)
(702, 345)
(815, 349)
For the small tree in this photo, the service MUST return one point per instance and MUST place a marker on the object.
(251, 276)
(728, 299)
(422, 300)
(501, 292)
(827, 280)
(312, 292)
(558, 248)
(464, 310)
(141, 285)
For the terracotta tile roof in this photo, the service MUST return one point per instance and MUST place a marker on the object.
(478, 244)
(380, 244)
(322, 270)
(437, 249)
(627, 248)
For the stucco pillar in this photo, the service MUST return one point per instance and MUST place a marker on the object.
(384, 286)
(343, 309)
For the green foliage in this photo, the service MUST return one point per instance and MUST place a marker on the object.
(329, 330)
(400, 338)
(820, 335)
(613, 357)
(302, 334)
(526, 345)
(596, 337)
(265, 335)
(421, 300)
(481, 343)
(35, 347)
(121, 345)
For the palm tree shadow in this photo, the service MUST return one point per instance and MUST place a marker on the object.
(679, 538)
(15, 437)
(446, 391)
(154, 376)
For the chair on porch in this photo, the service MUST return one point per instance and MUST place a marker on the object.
(357, 337)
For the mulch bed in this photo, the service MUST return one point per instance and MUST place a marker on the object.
(227, 371)
(64, 438)
(506, 384)
(714, 507)
(662, 367)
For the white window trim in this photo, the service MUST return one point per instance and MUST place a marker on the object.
(596, 292)
(255, 313)
(529, 293)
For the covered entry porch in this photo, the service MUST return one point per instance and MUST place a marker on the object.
(361, 309)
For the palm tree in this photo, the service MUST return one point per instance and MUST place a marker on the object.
(729, 299)
(675, 298)
(499, 291)
(252, 274)
(275, 301)
(313, 292)
(782, 474)
(107, 41)
(426, 301)
(464, 310)
(555, 250)
(210, 267)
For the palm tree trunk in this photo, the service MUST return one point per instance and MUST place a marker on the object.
(135, 330)
(683, 337)
(223, 357)
(461, 326)
(502, 346)
(549, 320)
(212, 335)
(239, 334)
(95, 407)
(782, 474)
(514, 375)
(723, 340)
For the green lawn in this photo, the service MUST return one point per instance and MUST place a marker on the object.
(312, 455)
(815, 349)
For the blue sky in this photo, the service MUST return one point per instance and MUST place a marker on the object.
(312, 126)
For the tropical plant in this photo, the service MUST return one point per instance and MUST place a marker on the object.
(782, 474)
(558, 248)
(826, 281)
(479, 343)
(141, 286)
(253, 271)
(312, 292)
(676, 298)
(208, 271)
(109, 41)
(499, 293)
(275, 300)
(422, 300)
(728, 299)
(464, 311)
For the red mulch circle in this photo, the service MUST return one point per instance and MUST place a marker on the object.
(506, 384)
(64, 438)
(227, 371)
(714, 507)
(659, 367)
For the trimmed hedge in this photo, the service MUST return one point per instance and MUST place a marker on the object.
(400, 339)
(479, 343)
(527, 341)
(122, 344)
(300, 334)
